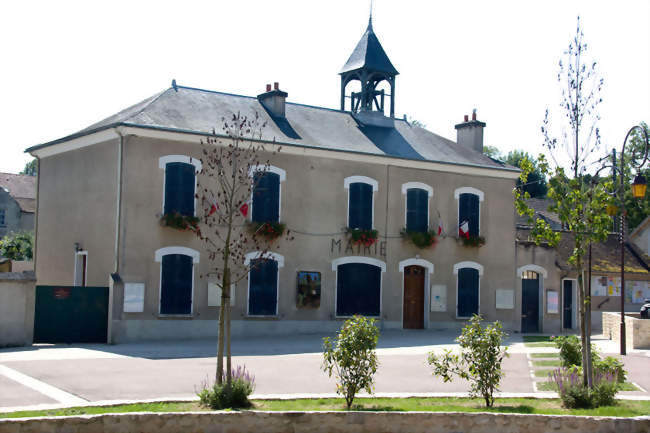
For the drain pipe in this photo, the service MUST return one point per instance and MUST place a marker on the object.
(114, 277)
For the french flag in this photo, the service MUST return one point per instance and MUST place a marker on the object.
(463, 230)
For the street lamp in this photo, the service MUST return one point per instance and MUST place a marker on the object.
(638, 191)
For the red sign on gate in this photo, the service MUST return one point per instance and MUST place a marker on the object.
(62, 293)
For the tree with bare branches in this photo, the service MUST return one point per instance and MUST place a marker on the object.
(233, 163)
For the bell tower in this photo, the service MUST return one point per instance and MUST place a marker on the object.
(369, 65)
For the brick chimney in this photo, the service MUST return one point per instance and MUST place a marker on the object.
(470, 133)
(273, 100)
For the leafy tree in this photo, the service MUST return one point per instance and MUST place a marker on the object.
(352, 359)
(479, 361)
(224, 187)
(31, 168)
(536, 185)
(17, 246)
(416, 122)
(493, 152)
(581, 207)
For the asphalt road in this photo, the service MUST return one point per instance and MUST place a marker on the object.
(63, 374)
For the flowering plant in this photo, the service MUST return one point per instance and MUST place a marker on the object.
(178, 221)
(420, 239)
(363, 237)
(269, 229)
(473, 241)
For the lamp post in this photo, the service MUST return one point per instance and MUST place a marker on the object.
(638, 191)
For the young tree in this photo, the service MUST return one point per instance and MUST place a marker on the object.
(479, 361)
(581, 207)
(231, 167)
(536, 185)
(353, 358)
(31, 168)
(17, 246)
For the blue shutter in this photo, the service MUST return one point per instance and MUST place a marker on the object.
(417, 209)
(358, 289)
(179, 188)
(468, 209)
(176, 284)
(467, 292)
(360, 206)
(263, 290)
(266, 197)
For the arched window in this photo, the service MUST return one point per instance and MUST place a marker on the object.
(180, 183)
(467, 288)
(417, 206)
(266, 194)
(176, 279)
(263, 281)
(469, 211)
(358, 286)
(360, 201)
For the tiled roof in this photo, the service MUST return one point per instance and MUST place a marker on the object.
(21, 188)
(540, 206)
(187, 109)
(369, 54)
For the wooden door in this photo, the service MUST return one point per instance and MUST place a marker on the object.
(413, 297)
(530, 303)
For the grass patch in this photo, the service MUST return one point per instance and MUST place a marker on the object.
(550, 386)
(542, 373)
(538, 341)
(547, 363)
(624, 408)
(545, 355)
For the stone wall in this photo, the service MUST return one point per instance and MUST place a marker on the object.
(17, 291)
(326, 422)
(637, 331)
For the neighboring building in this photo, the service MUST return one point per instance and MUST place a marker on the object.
(641, 236)
(549, 283)
(17, 203)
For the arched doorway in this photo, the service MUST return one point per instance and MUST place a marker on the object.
(529, 301)
(413, 313)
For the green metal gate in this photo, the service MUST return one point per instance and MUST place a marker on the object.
(69, 314)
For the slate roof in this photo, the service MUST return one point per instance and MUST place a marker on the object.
(369, 54)
(192, 110)
(540, 205)
(21, 188)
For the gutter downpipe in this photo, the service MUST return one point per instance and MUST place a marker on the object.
(116, 252)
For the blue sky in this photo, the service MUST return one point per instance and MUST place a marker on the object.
(68, 64)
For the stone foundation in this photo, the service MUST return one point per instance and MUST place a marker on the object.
(324, 422)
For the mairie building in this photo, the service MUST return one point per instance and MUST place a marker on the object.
(102, 191)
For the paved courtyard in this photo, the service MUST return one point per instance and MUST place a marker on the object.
(46, 375)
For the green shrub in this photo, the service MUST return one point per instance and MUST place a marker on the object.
(233, 395)
(611, 365)
(575, 395)
(352, 359)
(479, 361)
(570, 349)
(420, 239)
(17, 246)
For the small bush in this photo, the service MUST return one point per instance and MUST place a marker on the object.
(17, 246)
(570, 350)
(352, 358)
(573, 393)
(233, 395)
(611, 366)
(479, 361)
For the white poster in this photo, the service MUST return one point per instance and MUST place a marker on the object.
(598, 286)
(636, 291)
(438, 298)
(505, 299)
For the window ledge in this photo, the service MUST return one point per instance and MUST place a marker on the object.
(253, 317)
(175, 316)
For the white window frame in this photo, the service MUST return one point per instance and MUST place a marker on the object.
(468, 190)
(158, 255)
(269, 255)
(366, 261)
(427, 281)
(76, 257)
(417, 185)
(361, 179)
(479, 268)
(270, 169)
(162, 163)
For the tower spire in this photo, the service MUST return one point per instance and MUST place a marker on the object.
(370, 18)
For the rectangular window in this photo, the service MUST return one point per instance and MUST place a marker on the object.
(360, 206)
(180, 181)
(80, 268)
(468, 210)
(308, 290)
(417, 210)
(266, 197)
(468, 292)
(176, 284)
(358, 289)
(2, 218)
(263, 288)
